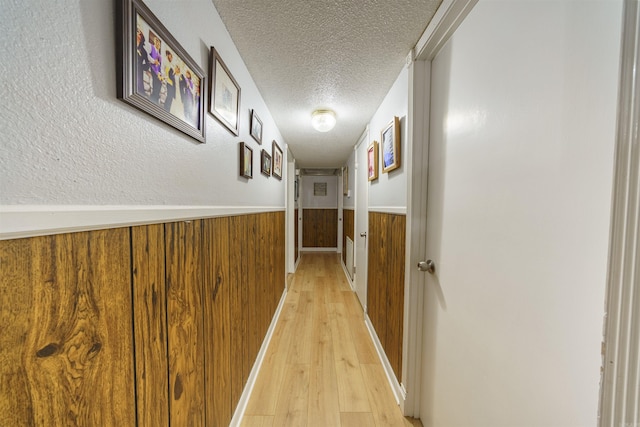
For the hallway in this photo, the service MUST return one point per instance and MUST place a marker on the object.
(321, 368)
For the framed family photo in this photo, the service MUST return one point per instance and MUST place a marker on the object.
(246, 161)
(265, 163)
(155, 74)
(224, 94)
(256, 127)
(277, 160)
(390, 145)
(372, 161)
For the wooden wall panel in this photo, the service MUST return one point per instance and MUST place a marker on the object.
(150, 325)
(217, 322)
(66, 347)
(185, 322)
(192, 301)
(385, 283)
(348, 230)
(320, 228)
(296, 235)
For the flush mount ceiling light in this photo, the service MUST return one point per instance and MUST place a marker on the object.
(323, 120)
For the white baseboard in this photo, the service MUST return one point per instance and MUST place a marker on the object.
(251, 381)
(396, 388)
(352, 284)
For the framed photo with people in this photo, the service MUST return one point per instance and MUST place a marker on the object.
(154, 72)
(277, 156)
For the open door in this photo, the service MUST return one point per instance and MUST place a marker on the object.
(361, 220)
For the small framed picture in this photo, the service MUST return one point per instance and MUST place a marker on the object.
(246, 161)
(390, 146)
(345, 181)
(372, 161)
(224, 94)
(277, 160)
(256, 127)
(265, 163)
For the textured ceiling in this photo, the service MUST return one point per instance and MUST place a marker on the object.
(343, 55)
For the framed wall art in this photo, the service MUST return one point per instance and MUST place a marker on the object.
(390, 146)
(277, 160)
(345, 181)
(246, 161)
(224, 94)
(372, 161)
(265, 163)
(256, 127)
(155, 74)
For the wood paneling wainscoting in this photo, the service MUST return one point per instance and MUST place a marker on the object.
(319, 228)
(148, 325)
(296, 235)
(347, 231)
(385, 283)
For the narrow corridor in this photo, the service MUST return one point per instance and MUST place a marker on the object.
(321, 368)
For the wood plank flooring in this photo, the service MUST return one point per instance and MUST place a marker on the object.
(321, 368)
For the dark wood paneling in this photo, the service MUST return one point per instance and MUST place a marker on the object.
(237, 269)
(150, 325)
(185, 322)
(385, 283)
(347, 231)
(296, 235)
(66, 346)
(217, 321)
(320, 228)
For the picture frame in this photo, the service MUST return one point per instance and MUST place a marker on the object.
(224, 94)
(277, 160)
(154, 72)
(246, 161)
(265, 163)
(372, 161)
(255, 127)
(345, 181)
(390, 146)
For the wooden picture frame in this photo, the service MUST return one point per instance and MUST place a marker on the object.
(265, 163)
(278, 158)
(372, 161)
(255, 127)
(224, 94)
(155, 74)
(246, 161)
(390, 146)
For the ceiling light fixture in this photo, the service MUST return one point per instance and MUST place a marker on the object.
(323, 120)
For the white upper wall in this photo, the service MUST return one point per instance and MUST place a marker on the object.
(67, 140)
(390, 189)
(309, 200)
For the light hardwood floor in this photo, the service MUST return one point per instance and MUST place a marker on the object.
(321, 368)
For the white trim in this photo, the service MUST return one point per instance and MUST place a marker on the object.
(416, 232)
(319, 250)
(396, 210)
(396, 388)
(346, 274)
(253, 376)
(19, 221)
(443, 24)
(620, 389)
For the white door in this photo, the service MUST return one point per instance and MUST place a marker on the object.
(361, 220)
(523, 115)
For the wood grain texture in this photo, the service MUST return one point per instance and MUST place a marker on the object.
(217, 321)
(385, 291)
(312, 374)
(185, 322)
(296, 235)
(320, 228)
(66, 348)
(348, 230)
(150, 325)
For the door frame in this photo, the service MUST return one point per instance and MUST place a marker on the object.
(361, 208)
(446, 20)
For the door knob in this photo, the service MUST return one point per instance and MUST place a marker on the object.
(363, 234)
(429, 266)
